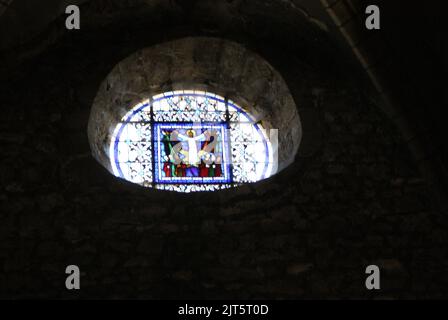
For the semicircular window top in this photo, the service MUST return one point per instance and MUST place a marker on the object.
(191, 141)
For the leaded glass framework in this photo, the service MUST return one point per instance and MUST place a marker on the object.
(190, 141)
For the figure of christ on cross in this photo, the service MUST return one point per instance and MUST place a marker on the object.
(193, 155)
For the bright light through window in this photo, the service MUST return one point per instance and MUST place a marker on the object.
(190, 141)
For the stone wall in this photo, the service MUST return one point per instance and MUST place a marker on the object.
(353, 197)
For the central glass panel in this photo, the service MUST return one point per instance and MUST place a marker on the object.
(192, 153)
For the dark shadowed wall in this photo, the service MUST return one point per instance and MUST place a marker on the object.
(354, 195)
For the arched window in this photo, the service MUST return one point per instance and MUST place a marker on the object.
(190, 141)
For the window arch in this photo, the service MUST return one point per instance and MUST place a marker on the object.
(190, 140)
(142, 117)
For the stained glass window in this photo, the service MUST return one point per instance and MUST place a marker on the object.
(190, 141)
